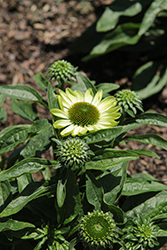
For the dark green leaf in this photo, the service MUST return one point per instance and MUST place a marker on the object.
(109, 158)
(52, 98)
(25, 166)
(72, 203)
(3, 114)
(94, 191)
(107, 87)
(25, 109)
(113, 182)
(22, 92)
(83, 84)
(138, 186)
(152, 139)
(38, 143)
(111, 15)
(13, 136)
(101, 135)
(61, 193)
(5, 193)
(2, 99)
(31, 192)
(150, 15)
(122, 35)
(14, 225)
(146, 207)
(41, 81)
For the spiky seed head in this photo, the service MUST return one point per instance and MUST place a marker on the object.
(128, 101)
(62, 71)
(97, 230)
(73, 152)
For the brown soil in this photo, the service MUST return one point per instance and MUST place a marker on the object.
(34, 34)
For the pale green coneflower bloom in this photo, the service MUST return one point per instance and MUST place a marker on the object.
(80, 113)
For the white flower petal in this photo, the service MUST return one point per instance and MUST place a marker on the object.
(64, 98)
(97, 97)
(88, 96)
(107, 103)
(67, 130)
(79, 96)
(71, 95)
(61, 123)
(59, 113)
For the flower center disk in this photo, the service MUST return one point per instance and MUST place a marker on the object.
(83, 114)
(98, 227)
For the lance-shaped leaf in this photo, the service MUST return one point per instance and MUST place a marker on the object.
(111, 15)
(151, 13)
(52, 98)
(22, 92)
(29, 165)
(94, 191)
(14, 225)
(107, 87)
(83, 84)
(25, 109)
(5, 194)
(31, 192)
(152, 139)
(72, 202)
(147, 206)
(38, 143)
(124, 34)
(113, 181)
(41, 81)
(13, 136)
(135, 186)
(109, 158)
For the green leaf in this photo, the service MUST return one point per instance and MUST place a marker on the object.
(153, 78)
(5, 194)
(150, 15)
(110, 157)
(159, 211)
(29, 165)
(41, 81)
(113, 181)
(107, 87)
(117, 212)
(72, 203)
(25, 109)
(83, 84)
(2, 99)
(52, 98)
(111, 15)
(39, 125)
(152, 139)
(146, 207)
(135, 186)
(122, 35)
(22, 92)
(13, 136)
(144, 176)
(38, 143)
(101, 135)
(152, 119)
(61, 193)
(23, 181)
(145, 152)
(3, 114)
(14, 225)
(31, 192)
(94, 191)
